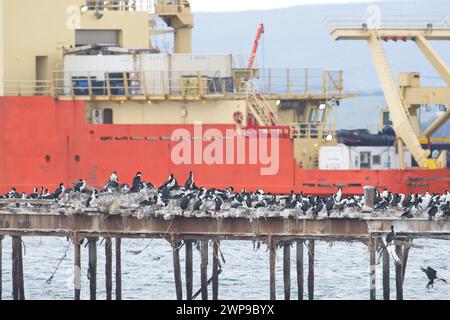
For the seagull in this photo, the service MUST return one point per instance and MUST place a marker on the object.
(432, 276)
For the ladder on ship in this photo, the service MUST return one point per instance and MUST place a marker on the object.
(259, 107)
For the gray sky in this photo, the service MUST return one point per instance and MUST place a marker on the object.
(243, 5)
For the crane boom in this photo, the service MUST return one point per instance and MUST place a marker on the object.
(255, 45)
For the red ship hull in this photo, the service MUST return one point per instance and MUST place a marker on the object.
(45, 142)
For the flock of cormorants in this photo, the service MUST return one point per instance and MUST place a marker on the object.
(191, 199)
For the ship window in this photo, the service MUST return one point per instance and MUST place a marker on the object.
(365, 158)
(376, 160)
(316, 115)
(97, 37)
(107, 116)
(387, 120)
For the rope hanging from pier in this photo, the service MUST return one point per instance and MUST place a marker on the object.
(50, 279)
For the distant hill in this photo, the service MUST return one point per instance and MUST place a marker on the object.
(299, 37)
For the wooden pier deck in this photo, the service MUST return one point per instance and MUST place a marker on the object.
(183, 232)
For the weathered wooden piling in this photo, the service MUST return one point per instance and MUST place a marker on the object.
(118, 269)
(386, 275)
(287, 270)
(189, 269)
(108, 268)
(311, 247)
(204, 269)
(1, 266)
(272, 261)
(17, 269)
(399, 273)
(369, 199)
(372, 266)
(92, 271)
(77, 269)
(20, 270)
(300, 277)
(177, 269)
(215, 271)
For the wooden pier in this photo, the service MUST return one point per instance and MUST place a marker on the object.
(182, 232)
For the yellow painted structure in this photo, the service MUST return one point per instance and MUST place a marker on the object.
(405, 96)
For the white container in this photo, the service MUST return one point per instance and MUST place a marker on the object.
(155, 73)
(218, 65)
(342, 157)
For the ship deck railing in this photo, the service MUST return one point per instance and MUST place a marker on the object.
(273, 83)
(374, 19)
(27, 88)
(323, 131)
(122, 5)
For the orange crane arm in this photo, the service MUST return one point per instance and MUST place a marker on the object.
(255, 45)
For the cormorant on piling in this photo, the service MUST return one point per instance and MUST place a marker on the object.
(432, 276)
(114, 177)
(217, 205)
(91, 198)
(184, 203)
(407, 214)
(424, 202)
(317, 207)
(35, 194)
(189, 184)
(59, 191)
(171, 183)
(80, 186)
(198, 205)
(137, 182)
(329, 205)
(391, 236)
(432, 212)
(338, 195)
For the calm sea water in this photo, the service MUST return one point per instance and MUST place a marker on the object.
(341, 270)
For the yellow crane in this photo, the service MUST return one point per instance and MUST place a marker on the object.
(405, 96)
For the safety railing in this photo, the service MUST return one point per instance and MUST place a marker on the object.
(26, 88)
(375, 20)
(325, 131)
(241, 61)
(140, 83)
(119, 5)
(170, 7)
(299, 81)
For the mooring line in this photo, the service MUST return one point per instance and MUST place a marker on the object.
(148, 244)
(49, 280)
